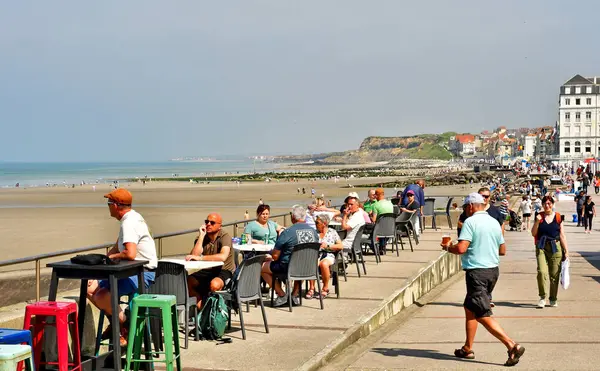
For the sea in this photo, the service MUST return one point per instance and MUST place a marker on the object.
(43, 174)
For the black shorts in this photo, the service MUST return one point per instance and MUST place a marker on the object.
(206, 275)
(527, 215)
(278, 267)
(480, 284)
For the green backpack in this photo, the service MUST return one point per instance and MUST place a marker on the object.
(213, 318)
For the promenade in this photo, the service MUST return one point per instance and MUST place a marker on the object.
(562, 338)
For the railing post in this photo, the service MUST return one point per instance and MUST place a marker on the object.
(235, 230)
(160, 250)
(38, 274)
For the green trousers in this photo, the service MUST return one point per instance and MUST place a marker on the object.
(548, 269)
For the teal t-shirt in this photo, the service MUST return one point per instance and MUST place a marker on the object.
(485, 237)
(383, 207)
(261, 233)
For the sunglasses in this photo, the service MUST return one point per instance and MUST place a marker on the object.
(485, 196)
(211, 222)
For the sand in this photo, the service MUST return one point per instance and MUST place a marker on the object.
(42, 220)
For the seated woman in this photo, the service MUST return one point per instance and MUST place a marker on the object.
(262, 230)
(412, 207)
(330, 243)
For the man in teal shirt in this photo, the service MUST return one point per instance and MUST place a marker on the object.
(481, 243)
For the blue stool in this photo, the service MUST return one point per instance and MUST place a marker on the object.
(14, 337)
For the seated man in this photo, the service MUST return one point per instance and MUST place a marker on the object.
(352, 220)
(134, 243)
(298, 233)
(213, 244)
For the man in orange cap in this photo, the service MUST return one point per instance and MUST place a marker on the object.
(134, 243)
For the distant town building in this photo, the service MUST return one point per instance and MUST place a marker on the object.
(578, 119)
(529, 142)
(463, 145)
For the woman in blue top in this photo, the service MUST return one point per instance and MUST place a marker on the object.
(262, 230)
(551, 251)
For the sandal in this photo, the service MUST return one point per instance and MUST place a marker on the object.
(514, 355)
(310, 294)
(462, 353)
(324, 293)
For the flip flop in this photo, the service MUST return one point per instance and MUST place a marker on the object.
(310, 294)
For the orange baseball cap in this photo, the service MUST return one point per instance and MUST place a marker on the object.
(120, 196)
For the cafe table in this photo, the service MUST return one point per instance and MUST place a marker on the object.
(247, 248)
(194, 266)
(123, 269)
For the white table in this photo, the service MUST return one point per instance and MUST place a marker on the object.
(194, 266)
(255, 246)
(334, 223)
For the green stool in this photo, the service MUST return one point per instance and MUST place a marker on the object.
(11, 355)
(167, 305)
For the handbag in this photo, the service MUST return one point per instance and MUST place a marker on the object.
(92, 259)
(565, 278)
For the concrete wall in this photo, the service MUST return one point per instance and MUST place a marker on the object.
(428, 278)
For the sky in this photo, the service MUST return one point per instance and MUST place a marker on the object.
(152, 80)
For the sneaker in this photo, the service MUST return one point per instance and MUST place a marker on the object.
(553, 303)
(492, 304)
(296, 300)
(541, 303)
(280, 301)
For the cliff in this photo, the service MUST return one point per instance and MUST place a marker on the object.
(390, 149)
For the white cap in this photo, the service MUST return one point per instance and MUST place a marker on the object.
(474, 198)
(353, 194)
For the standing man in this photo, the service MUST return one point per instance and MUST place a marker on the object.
(481, 243)
(134, 243)
(213, 244)
(580, 201)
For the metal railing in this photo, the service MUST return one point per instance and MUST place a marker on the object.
(107, 246)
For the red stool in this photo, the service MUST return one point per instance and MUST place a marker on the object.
(61, 311)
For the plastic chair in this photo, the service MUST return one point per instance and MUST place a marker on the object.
(12, 354)
(303, 266)
(429, 210)
(356, 250)
(404, 225)
(61, 311)
(247, 289)
(140, 309)
(171, 279)
(385, 227)
(447, 212)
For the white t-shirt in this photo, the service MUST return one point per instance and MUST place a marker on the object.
(355, 221)
(526, 207)
(134, 229)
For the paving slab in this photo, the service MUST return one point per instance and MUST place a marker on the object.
(566, 337)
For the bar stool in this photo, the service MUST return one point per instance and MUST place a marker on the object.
(13, 337)
(12, 354)
(61, 311)
(141, 306)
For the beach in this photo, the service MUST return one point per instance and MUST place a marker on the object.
(41, 220)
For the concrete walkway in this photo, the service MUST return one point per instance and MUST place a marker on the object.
(566, 338)
(296, 337)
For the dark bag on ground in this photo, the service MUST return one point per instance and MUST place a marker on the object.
(92, 259)
(213, 318)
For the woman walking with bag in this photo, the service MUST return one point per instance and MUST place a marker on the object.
(551, 251)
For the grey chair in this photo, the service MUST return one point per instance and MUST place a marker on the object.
(357, 252)
(171, 279)
(247, 289)
(446, 212)
(385, 227)
(405, 224)
(303, 266)
(429, 211)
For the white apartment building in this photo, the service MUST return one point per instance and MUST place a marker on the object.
(529, 143)
(579, 119)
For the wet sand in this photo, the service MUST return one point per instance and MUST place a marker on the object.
(42, 220)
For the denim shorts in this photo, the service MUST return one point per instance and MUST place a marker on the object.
(129, 285)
